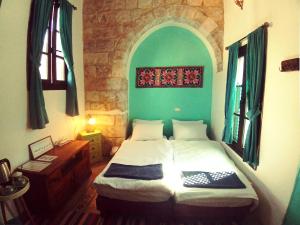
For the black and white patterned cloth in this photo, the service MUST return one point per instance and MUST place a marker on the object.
(202, 179)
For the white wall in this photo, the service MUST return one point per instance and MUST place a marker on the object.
(280, 145)
(14, 132)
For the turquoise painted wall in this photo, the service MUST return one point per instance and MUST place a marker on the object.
(171, 46)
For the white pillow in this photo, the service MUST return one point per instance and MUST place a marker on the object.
(189, 131)
(136, 121)
(147, 131)
(147, 121)
(188, 121)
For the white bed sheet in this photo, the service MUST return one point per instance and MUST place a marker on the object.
(140, 153)
(209, 156)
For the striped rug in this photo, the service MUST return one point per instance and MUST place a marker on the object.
(89, 218)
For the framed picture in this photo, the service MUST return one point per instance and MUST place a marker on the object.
(40, 147)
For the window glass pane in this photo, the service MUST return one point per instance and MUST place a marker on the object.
(44, 67)
(246, 125)
(58, 45)
(235, 130)
(57, 21)
(238, 96)
(246, 107)
(60, 69)
(240, 71)
(59, 53)
(45, 45)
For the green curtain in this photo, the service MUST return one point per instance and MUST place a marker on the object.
(292, 216)
(230, 92)
(255, 72)
(40, 15)
(66, 10)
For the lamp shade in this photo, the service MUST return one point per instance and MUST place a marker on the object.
(91, 122)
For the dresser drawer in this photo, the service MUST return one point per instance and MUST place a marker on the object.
(95, 157)
(54, 181)
(93, 138)
(59, 194)
(94, 146)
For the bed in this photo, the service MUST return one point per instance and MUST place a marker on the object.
(136, 196)
(206, 202)
(190, 151)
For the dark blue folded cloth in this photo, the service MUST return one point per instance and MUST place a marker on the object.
(201, 179)
(147, 172)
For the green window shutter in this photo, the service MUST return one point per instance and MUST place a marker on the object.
(292, 216)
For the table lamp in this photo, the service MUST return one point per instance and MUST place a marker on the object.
(90, 124)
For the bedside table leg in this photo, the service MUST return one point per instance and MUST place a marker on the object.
(23, 211)
(27, 210)
(19, 210)
(3, 212)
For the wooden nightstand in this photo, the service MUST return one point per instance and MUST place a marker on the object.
(95, 140)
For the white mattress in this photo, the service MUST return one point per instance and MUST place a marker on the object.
(209, 156)
(139, 153)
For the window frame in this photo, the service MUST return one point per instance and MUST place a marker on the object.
(52, 83)
(238, 146)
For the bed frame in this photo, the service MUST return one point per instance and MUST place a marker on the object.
(186, 212)
(168, 210)
(146, 209)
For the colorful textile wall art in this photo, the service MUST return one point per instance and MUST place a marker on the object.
(170, 77)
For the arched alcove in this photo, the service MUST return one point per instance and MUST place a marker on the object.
(112, 32)
(170, 46)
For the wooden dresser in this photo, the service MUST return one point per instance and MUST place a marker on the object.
(53, 186)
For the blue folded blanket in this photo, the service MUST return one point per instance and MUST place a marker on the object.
(201, 179)
(147, 172)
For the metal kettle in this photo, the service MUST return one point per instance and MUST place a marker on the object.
(4, 171)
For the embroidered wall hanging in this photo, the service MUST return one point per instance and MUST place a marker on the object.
(164, 77)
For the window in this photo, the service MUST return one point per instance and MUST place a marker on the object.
(244, 95)
(53, 68)
(240, 120)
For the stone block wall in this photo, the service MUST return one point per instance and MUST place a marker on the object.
(112, 28)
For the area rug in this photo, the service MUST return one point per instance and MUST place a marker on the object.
(90, 218)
